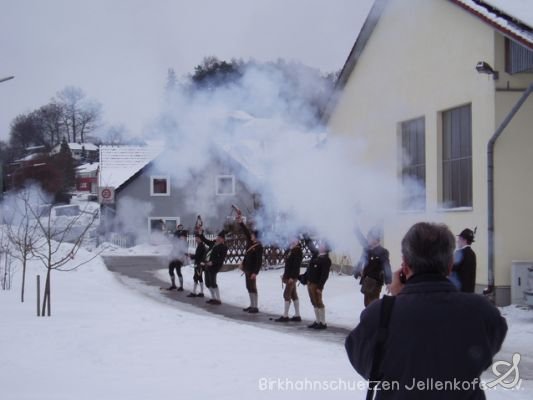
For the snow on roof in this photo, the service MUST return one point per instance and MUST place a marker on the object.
(79, 146)
(119, 163)
(88, 167)
(519, 9)
(512, 17)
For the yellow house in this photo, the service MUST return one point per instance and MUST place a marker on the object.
(440, 91)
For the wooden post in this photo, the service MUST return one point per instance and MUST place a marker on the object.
(38, 295)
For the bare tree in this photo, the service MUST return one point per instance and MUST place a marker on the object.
(52, 239)
(6, 272)
(80, 115)
(58, 246)
(22, 230)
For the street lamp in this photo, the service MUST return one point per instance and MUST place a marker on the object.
(6, 79)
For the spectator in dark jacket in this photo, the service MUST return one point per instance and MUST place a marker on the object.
(317, 275)
(464, 267)
(251, 264)
(216, 254)
(436, 335)
(293, 263)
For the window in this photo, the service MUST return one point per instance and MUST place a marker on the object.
(225, 185)
(457, 157)
(159, 186)
(163, 224)
(414, 164)
(517, 58)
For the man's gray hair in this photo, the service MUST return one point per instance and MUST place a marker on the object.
(428, 248)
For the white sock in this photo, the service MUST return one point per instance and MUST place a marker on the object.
(194, 288)
(250, 295)
(296, 307)
(201, 287)
(212, 291)
(256, 300)
(217, 294)
(181, 281)
(322, 315)
(286, 308)
(317, 317)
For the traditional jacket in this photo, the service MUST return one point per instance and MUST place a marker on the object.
(216, 253)
(465, 268)
(293, 263)
(253, 256)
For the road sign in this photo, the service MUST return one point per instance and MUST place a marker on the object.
(106, 195)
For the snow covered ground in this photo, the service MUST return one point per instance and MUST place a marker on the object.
(106, 340)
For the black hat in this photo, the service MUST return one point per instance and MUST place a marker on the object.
(468, 235)
(222, 234)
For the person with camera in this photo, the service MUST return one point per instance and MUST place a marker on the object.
(373, 268)
(316, 276)
(251, 263)
(293, 263)
(404, 344)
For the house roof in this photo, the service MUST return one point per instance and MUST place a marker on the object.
(120, 163)
(87, 168)
(79, 146)
(513, 18)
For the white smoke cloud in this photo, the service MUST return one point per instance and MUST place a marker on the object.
(307, 180)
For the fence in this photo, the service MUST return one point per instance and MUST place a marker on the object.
(272, 255)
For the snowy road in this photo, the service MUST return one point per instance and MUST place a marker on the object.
(142, 272)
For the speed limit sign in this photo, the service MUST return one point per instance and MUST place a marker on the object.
(106, 195)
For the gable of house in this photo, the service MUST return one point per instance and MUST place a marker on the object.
(410, 87)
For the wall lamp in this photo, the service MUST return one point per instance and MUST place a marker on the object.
(484, 68)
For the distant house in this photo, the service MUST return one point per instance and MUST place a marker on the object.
(139, 182)
(87, 177)
(80, 151)
(440, 91)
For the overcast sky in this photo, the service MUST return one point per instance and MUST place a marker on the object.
(119, 51)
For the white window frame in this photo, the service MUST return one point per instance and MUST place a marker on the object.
(150, 219)
(159, 177)
(217, 185)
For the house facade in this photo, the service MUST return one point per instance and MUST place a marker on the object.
(147, 191)
(80, 151)
(427, 85)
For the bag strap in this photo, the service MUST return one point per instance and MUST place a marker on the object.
(387, 304)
